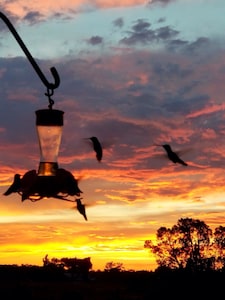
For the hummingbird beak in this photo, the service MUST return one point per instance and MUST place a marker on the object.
(87, 139)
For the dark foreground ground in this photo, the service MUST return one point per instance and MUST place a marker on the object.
(141, 285)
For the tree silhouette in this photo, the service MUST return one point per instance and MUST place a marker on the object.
(190, 244)
(114, 267)
(76, 267)
(219, 246)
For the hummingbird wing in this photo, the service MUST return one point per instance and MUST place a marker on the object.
(15, 186)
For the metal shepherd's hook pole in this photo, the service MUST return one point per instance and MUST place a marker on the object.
(50, 86)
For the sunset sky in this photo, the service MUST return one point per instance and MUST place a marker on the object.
(135, 74)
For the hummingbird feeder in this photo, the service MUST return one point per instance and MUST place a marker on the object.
(49, 180)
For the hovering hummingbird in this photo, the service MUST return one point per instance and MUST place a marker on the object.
(97, 147)
(81, 208)
(15, 186)
(172, 155)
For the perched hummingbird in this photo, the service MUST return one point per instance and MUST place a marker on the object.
(67, 183)
(81, 208)
(28, 183)
(15, 186)
(172, 155)
(97, 147)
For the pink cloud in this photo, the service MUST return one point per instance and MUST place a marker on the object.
(207, 110)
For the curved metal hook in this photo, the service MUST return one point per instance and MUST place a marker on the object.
(31, 59)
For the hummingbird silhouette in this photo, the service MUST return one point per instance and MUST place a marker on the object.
(67, 183)
(97, 147)
(81, 208)
(172, 155)
(15, 186)
(27, 184)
